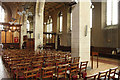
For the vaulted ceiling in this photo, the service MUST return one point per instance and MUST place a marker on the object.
(53, 6)
(30, 6)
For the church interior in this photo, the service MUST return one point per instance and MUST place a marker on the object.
(70, 40)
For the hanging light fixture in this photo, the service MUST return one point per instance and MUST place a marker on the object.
(11, 23)
(20, 13)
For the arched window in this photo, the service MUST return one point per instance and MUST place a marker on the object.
(2, 16)
(70, 20)
(28, 25)
(112, 12)
(49, 24)
(60, 21)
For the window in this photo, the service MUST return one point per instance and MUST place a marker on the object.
(2, 16)
(112, 12)
(28, 25)
(71, 19)
(61, 21)
(49, 24)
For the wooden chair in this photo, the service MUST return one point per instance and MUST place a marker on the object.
(102, 75)
(112, 72)
(83, 68)
(19, 72)
(117, 75)
(37, 64)
(32, 74)
(49, 63)
(57, 56)
(47, 73)
(69, 60)
(74, 70)
(91, 77)
(60, 61)
(76, 59)
(62, 71)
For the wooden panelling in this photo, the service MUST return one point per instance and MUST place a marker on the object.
(30, 44)
(3, 36)
(11, 45)
(15, 34)
(8, 37)
(65, 48)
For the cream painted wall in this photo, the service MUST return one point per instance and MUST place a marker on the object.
(102, 36)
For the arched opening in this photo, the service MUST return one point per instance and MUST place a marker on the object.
(60, 21)
(28, 25)
(2, 16)
(2, 19)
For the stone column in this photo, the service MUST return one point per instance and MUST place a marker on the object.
(55, 24)
(80, 38)
(0, 37)
(23, 28)
(64, 32)
(38, 29)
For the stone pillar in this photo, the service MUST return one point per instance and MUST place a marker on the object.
(38, 29)
(55, 26)
(23, 28)
(80, 37)
(0, 37)
(64, 32)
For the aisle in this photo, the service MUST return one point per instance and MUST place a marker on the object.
(3, 71)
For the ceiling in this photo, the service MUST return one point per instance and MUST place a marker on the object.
(52, 6)
(30, 6)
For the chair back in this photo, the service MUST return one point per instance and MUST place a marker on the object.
(62, 71)
(74, 70)
(76, 59)
(83, 68)
(47, 73)
(91, 77)
(32, 73)
(102, 75)
(112, 72)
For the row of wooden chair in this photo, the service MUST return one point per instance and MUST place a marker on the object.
(43, 65)
(105, 75)
(63, 71)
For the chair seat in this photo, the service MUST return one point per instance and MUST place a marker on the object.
(84, 74)
(21, 77)
(69, 68)
(74, 77)
(38, 75)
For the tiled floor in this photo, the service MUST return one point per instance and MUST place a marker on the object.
(104, 64)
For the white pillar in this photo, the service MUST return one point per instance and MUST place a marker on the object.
(38, 29)
(80, 38)
(23, 28)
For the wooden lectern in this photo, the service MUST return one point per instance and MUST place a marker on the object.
(94, 54)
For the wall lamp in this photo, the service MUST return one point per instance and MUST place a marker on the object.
(73, 2)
